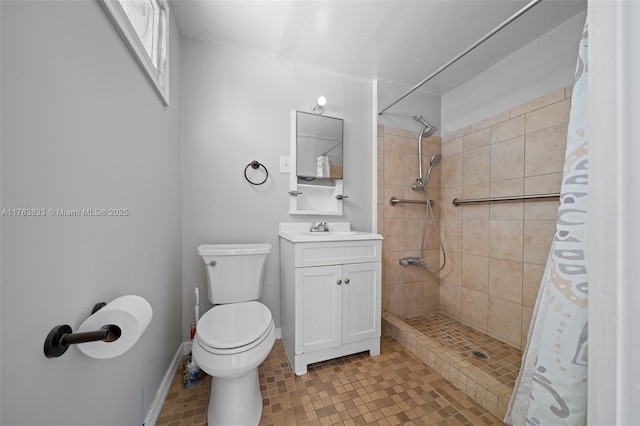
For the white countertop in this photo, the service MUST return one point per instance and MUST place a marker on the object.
(338, 231)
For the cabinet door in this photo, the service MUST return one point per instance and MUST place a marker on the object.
(318, 308)
(361, 301)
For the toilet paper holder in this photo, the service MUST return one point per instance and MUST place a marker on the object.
(62, 336)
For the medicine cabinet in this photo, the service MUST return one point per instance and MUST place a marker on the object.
(316, 164)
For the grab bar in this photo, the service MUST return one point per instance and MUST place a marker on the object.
(393, 201)
(457, 202)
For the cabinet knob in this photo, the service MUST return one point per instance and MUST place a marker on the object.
(339, 282)
(346, 281)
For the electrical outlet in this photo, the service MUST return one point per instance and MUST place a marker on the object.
(284, 164)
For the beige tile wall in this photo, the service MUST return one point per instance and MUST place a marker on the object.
(407, 291)
(496, 252)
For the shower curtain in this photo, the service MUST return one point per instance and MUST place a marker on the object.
(552, 386)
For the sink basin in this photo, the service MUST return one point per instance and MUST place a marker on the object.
(299, 232)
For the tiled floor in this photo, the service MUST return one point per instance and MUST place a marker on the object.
(390, 389)
(503, 362)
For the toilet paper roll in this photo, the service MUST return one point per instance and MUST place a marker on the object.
(132, 314)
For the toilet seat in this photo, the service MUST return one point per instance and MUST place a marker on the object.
(233, 328)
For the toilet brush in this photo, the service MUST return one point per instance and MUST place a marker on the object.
(197, 305)
(190, 369)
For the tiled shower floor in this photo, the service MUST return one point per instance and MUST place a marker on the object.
(390, 389)
(503, 362)
(447, 346)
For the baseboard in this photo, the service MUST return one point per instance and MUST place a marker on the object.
(156, 406)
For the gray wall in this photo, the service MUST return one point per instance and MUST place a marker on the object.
(236, 109)
(83, 128)
(544, 65)
(400, 114)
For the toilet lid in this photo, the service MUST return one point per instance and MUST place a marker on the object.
(234, 325)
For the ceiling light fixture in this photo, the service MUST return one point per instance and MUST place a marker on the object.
(318, 106)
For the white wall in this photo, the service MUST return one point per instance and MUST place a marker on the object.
(614, 207)
(83, 128)
(400, 114)
(1, 398)
(236, 109)
(544, 65)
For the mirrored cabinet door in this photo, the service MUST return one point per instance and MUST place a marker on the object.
(317, 164)
(318, 146)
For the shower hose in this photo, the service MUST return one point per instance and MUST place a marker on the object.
(425, 228)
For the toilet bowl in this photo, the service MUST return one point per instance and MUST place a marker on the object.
(231, 342)
(235, 336)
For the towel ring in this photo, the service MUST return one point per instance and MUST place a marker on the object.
(255, 165)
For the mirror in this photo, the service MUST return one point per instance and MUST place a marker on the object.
(318, 146)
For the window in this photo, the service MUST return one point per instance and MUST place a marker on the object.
(143, 25)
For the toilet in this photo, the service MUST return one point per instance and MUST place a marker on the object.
(235, 336)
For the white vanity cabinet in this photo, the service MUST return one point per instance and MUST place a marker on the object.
(330, 298)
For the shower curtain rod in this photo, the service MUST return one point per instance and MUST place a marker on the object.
(463, 53)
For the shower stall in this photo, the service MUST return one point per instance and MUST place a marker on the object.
(469, 319)
(476, 310)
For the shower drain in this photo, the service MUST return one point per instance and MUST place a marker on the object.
(479, 354)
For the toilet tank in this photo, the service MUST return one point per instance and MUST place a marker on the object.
(234, 271)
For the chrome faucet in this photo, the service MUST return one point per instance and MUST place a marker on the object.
(321, 227)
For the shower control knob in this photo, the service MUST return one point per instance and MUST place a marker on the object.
(339, 282)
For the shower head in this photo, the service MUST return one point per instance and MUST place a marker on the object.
(428, 129)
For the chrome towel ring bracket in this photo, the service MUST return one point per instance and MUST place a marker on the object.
(255, 165)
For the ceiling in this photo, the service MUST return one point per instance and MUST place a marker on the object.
(397, 41)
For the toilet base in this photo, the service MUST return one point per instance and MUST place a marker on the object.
(235, 400)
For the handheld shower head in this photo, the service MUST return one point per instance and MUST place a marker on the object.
(435, 160)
